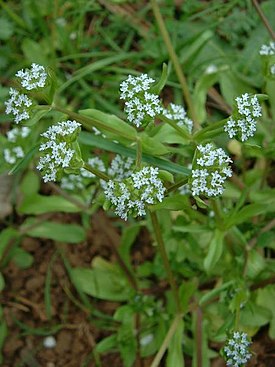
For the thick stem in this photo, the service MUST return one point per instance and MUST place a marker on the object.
(165, 260)
(175, 61)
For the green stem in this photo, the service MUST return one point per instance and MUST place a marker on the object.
(96, 172)
(165, 260)
(166, 341)
(138, 153)
(264, 19)
(237, 318)
(13, 15)
(175, 61)
(174, 125)
(216, 128)
(177, 185)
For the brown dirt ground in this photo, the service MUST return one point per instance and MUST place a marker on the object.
(23, 299)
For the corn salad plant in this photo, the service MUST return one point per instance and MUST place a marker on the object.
(199, 183)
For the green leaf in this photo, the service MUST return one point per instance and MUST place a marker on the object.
(102, 283)
(206, 81)
(109, 124)
(30, 183)
(266, 298)
(107, 344)
(249, 211)
(175, 202)
(6, 29)
(156, 89)
(35, 52)
(255, 315)
(255, 264)
(152, 146)
(99, 142)
(214, 251)
(69, 233)
(36, 116)
(21, 258)
(39, 204)
(6, 236)
(22, 164)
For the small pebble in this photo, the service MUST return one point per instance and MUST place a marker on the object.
(49, 342)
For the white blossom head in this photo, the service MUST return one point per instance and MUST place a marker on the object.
(17, 144)
(72, 182)
(272, 69)
(59, 150)
(19, 105)
(121, 167)
(33, 78)
(242, 124)
(141, 105)
(178, 114)
(236, 350)
(94, 162)
(133, 194)
(209, 172)
(267, 50)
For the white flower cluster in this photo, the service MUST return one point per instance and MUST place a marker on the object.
(268, 49)
(272, 69)
(72, 182)
(58, 149)
(236, 350)
(178, 114)
(130, 196)
(18, 105)
(15, 147)
(121, 167)
(141, 106)
(33, 78)
(242, 124)
(210, 171)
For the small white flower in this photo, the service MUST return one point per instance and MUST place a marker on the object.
(236, 350)
(72, 182)
(209, 171)
(33, 78)
(272, 69)
(242, 125)
(58, 150)
(178, 114)
(18, 105)
(130, 196)
(268, 49)
(16, 144)
(121, 168)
